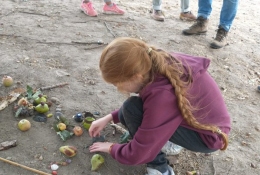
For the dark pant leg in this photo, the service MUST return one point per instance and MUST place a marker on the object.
(131, 115)
(190, 140)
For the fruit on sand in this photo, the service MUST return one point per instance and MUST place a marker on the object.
(61, 126)
(68, 151)
(22, 102)
(78, 131)
(40, 99)
(24, 125)
(42, 108)
(96, 161)
(7, 81)
(87, 122)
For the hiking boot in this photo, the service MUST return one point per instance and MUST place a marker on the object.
(187, 16)
(152, 171)
(157, 15)
(199, 27)
(220, 39)
(171, 149)
(88, 9)
(107, 9)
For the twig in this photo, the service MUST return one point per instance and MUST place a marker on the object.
(214, 169)
(99, 21)
(7, 14)
(118, 128)
(73, 42)
(33, 13)
(10, 35)
(109, 30)
(24, 167)
(53, 86)
(92, 42)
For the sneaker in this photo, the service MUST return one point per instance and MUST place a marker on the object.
(113, 9)
(171, 149)
(88, 9)
(220, 39)
(187, 16)
(199, 27)
(152, 171)
(157, 15)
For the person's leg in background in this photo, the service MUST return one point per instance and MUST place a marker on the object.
(112, 8)
(201, 24)
(227, 15)
(186, 13)
(87, 7)
(157, 11)
(108, 8)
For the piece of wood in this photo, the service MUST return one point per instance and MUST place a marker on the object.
(53, 86)
(24, 167)
(7, 144)
(118, 128)
(12, 96)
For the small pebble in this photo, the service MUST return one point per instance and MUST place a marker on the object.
(96, 113)
(54, 167)
(68, 161)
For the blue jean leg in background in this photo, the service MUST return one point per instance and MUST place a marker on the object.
(228, 13)
(204, 8)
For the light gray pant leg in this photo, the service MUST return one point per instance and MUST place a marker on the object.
(157, 4)
(185, 5)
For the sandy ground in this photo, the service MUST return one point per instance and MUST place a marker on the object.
(42, 40)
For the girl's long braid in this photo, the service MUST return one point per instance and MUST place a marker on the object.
(174, 74)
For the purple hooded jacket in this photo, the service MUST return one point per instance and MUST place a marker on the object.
(162, 117)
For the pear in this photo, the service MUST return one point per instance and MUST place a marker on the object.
(42, 108)
(40, 99)
(96, 161)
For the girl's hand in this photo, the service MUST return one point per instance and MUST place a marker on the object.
(101, 147)
(99, 125)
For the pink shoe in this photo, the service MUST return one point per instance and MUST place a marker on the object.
(112, 9)
(88, 9)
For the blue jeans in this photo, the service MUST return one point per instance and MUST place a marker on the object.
(131, 115)
(227, 14)
(185, 5)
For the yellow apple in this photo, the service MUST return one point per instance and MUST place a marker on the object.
(7, 81)
(24, 125)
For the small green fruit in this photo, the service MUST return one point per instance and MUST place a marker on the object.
(40, 99)
(96, 161)
(7, 81)
(87, 122)
(42, 108)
